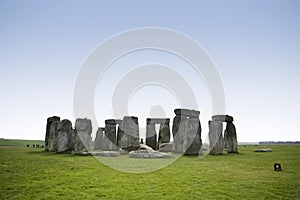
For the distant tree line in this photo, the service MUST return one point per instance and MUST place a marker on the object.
(280, 142)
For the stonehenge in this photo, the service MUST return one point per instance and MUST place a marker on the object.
(187, 132)
(47, 136)
(65, 136)
(215, 137)
(163, 135)
(130, 140)
(122, 135)
(52, 139)
(99, 140)
(216, 140)
(110, 137)
(83, 138)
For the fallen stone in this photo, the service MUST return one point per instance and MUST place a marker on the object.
(82, 153)
(145, 147)
(149, 154)
(105, 153)
(166, 147)
(263, 150)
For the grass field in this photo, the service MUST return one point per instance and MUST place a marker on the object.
(29, 173)
(20, 143)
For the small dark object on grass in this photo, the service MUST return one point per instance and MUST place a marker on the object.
(27, 145)
(277, 167)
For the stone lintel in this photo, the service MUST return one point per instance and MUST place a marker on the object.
(187, 112)
(113, 121)
(223, 118)
(158, 120)
(118, 121)
(52, 119)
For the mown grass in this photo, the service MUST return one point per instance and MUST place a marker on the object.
(28, 173)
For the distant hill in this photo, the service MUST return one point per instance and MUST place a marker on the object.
(20, 143)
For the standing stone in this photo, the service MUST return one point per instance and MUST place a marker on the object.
(52, 140)
(215, 137)
(192, 139)
(178, 130)
(151, 135)
(49, 121)
(110, 133)
(99, 140)
(120, 132)
(65, 137)
(83, 141)
(164, 133)
(230, 138)
(187, 132)
(130, 139)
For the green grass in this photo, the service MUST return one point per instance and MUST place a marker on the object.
(19, 143)
(28, 173)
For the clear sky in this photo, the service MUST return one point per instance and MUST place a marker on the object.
(255, 46)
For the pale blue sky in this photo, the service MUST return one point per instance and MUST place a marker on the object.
(254, 44)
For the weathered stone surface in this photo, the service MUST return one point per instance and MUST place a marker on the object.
(83, 139)
(118, 121)
(110, 121)
(130, 139)
(222, 118)
(65, 137)
(151, 136)
(263, 150)
(230, 139)
(187, 132)
(158, 121)
(110, 133)
(164, 134)
(104, 153)
(49, 121)
(145, 147)
(187, 112)
(149, 154)
(178, 130)
(215, 137)
(99, 140)
(120, 133)
(166, 147)
(52, 139)
(192, 138)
